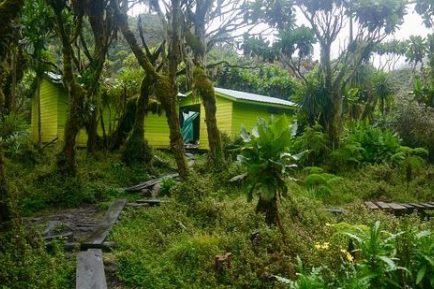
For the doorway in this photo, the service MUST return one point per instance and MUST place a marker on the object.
(190, 124)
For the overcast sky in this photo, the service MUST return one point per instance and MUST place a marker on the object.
(413, 25)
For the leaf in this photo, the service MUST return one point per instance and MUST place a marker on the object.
(239, 178)
(245, 135)
(389, 262)
(282, 280)
(420, 274)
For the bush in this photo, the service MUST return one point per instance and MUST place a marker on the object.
(16, 141)
(167, 185)
(25, 264)
(415, 125)
(363, 144)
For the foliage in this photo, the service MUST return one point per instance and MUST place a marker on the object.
(15, 140)
(364, 143)
(375, 254)
(415, 125)
(410, 160)
(167, 185)
(25, 264)
(314, 142)
(321, 184)
(267, 79)
(312, 99)
(305, 279)
(98, 180)
(266, 158)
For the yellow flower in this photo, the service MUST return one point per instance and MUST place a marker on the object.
(347, 255)
(322, 247)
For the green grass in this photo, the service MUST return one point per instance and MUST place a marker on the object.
(174, 246)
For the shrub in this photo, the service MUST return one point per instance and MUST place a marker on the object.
(410, 160)
(321, 184)
(25, 264)
(314, 142)
(266, 159)
(167, 185)
(415, 125)
(364, 143)
(16, 141)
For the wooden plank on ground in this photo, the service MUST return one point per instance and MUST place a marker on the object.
(150, 202)
(103, 229)
(395, 206)
(383, 206)
(90, 270)
(417, 206)
(371, 206)
(408, 206)
(427, 205)
(149, 184)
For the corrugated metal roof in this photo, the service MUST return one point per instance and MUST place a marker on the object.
(55, 78)
(239, 95)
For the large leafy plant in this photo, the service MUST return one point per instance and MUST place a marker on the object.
(375, 251)
(266, 159)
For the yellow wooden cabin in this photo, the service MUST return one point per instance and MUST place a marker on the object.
(234, 110)
(49, 113)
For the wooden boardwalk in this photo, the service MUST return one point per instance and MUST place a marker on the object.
(90, 268)
(401, 208)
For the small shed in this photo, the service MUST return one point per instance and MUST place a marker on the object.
(49, 113)
(234, 110)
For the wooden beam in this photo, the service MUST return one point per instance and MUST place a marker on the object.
(149, 184)
(150, 202)
(428, 206)
(408, 206)
(90, 270)
(383, 206)
(395, 206)
(417, 206)
(103, 229)
(371, 206)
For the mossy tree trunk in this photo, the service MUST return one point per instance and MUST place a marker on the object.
(102, 26)
(4, 194)
(202, 84)
(100, 19)
(168, 96)
(335, 119)
(67, 157)
(164, 86)
(136, 147)
(270, 209)
(204, 88)
(9, 11)
(125, 125)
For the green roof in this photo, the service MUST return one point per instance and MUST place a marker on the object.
(251, 97)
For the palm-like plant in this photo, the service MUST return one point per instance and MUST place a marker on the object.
(266, 158)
